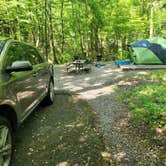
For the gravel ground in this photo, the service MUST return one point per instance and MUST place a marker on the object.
(62, 134)
(124, 142)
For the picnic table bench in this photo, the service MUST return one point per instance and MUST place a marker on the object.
(70, 67)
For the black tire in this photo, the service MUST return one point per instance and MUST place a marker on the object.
(49, 99)
(5, 142)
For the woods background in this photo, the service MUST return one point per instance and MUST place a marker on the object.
(62, 29)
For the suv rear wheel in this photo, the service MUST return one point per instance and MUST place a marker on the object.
(5, 142)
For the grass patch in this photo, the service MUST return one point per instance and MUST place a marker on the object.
(147, 98)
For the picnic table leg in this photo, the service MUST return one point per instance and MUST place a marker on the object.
(77, 68)
(80, 67)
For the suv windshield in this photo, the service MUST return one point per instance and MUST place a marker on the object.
(2, 43)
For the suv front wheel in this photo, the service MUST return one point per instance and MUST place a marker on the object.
(5, 142)
(49, 99)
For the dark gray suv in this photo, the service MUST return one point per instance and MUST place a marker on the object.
(25, 80)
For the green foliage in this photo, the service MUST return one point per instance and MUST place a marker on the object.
(147, 101)
(121, 55)
(94, 27)
(63, 58)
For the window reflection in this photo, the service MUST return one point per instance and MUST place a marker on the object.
(22, 52)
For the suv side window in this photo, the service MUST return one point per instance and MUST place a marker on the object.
(15, 52)
(32, 55)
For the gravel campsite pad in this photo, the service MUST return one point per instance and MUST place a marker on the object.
(127, 144)
(61, 134)
(65, 133)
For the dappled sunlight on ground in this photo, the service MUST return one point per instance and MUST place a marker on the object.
(89, 85)
(94, 93)
(65, 163)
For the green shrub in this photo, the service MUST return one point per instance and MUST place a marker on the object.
(147, 101)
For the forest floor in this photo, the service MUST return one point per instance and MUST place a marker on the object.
(125, 142)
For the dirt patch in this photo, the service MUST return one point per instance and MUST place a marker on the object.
(61, 134)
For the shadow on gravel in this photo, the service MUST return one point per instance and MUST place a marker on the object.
(63, 133)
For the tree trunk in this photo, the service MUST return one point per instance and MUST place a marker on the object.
(96, 30)
(62, 27)
(45, 26)
(38, 25)
(74, 28)
(151, 24)
(52, 34)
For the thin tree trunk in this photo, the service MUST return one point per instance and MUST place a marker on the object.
(74, 28)
(18, 36)
(96, 30)
(91, 40)
(62, 27)
(101, 46)
(38, 25)
(52, 34)
(151, 24)
(46, 28)
(43, 30)
(87, 38)
(79, 31)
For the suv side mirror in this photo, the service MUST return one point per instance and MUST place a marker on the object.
(19, 66)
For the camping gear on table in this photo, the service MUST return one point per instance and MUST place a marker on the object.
(149, 51)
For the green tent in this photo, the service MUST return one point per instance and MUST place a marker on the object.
(149, 51)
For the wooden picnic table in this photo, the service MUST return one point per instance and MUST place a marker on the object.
(79, 64)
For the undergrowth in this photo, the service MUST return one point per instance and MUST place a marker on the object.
(147, 98)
